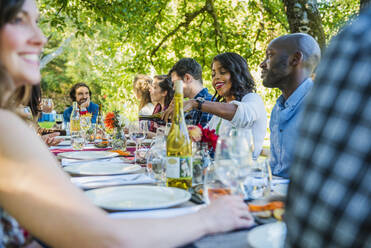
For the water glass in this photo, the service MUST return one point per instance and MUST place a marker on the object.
(77, 140)
(258, 181)
(213, 186)
(233, 160)
(137, 131)
(156, 160)
(91, 133)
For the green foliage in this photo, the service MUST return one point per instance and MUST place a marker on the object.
(116, 39)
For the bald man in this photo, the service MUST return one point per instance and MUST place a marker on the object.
(289, 64)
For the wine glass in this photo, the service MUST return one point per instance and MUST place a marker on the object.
(47, 105)
(258, 183)
(77, 140)
(213, 185)
(233, 159)
(137, 132)
(156, 160)
(59, 120)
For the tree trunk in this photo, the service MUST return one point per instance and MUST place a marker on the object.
(364, 4)
(303, 17)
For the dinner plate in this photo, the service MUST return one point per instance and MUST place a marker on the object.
(65, 143)
(102, 168)
(144, 142)
(138, 197)
(64, 137)
(269, 235)
(88, 155)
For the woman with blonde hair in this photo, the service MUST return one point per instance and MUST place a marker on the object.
(141, 86)
(39, 195)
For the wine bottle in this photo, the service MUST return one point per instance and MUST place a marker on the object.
(154, 117)
(178, 146)
(75, 118)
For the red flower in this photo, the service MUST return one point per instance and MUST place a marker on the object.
(109, 120)
(209, 136)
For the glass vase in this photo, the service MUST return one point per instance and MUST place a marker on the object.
(118, 140)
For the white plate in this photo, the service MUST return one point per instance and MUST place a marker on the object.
(145, 141)
(137, 197)
(65, 143)
(64, 137)
(92, 182)
(269, 235)
(158, 213)
(102, 168)
(88, 155)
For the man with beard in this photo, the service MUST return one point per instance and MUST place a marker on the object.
(81, 94)
(289, 64)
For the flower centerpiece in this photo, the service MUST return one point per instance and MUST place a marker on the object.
(200, 134)
(113, 122)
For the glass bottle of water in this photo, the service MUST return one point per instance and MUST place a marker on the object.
(77, 137)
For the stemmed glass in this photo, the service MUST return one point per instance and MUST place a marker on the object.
(59, 120)
(137, 132)
(233, 159)
(156, 160)
(47, 105)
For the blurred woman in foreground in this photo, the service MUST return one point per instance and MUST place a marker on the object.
(41, 197)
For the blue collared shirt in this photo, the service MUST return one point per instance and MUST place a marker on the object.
(92, 108)
(284, 126)
(199, 117)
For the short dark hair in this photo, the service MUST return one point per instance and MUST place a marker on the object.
(75, 87)
(242, 81)
(187, 65)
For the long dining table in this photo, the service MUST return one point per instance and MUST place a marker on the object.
(236, 238)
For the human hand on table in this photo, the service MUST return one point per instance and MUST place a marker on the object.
(50, 139)
(227, 213)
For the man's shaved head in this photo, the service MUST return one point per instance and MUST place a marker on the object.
(303, 43)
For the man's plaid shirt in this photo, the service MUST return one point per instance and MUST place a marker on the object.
(329, 199)
(197, 117)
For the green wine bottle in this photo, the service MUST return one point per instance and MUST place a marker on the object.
(178, 146)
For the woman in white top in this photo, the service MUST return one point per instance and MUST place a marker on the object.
(141, 86)
(36, 192)
(236, 103)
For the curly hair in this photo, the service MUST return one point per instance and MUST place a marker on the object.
(164, 81)
(75, 87)
(142, 84)
(242, 81)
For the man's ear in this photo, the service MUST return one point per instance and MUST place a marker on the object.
(187, 78)
(296, 58)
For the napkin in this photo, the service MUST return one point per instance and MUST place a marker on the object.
(159, 213)
(68, 149)
(68, 161)
(91, 182)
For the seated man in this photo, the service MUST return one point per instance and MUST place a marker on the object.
(190, 72)
(81, 94)
(290, 61)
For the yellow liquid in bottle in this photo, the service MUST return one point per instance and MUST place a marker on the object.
(178, 147)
